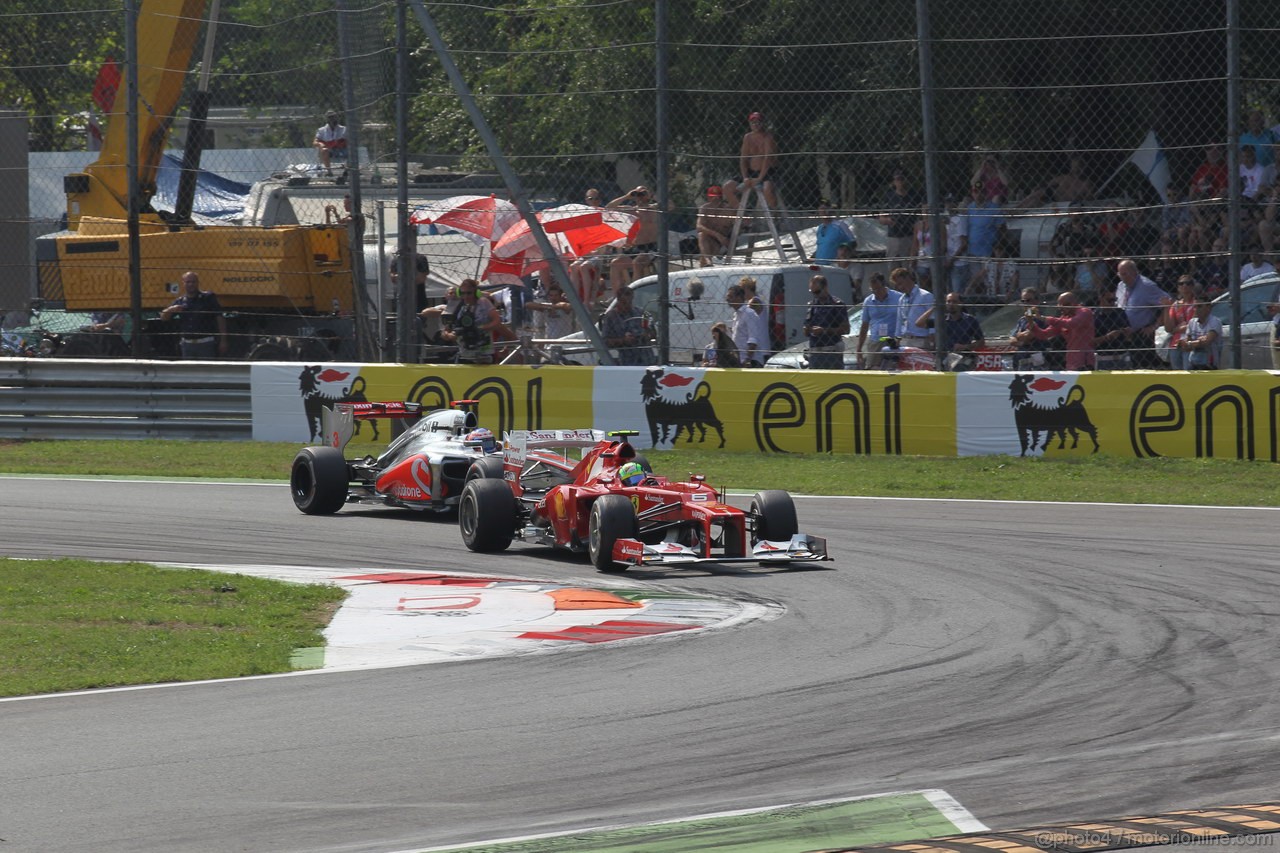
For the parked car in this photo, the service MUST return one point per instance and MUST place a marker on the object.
(996, 321)
(697, 301)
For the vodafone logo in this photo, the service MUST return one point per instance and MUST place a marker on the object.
(421, 473)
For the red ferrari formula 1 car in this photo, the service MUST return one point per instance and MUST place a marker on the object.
(610, 505)
(424, 468)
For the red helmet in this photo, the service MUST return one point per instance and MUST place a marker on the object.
(484, 436)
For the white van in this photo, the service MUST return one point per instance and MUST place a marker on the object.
(698, 301)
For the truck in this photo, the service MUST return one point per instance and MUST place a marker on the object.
(287, 290)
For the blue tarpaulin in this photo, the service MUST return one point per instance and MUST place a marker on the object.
(216, 197)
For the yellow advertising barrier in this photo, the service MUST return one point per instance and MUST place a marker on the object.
(792, 411)
(1231, 414)
(287, 398)
(1223, 414)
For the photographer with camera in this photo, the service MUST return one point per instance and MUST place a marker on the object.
(626, 329)
(1074, 323)
(470, 328)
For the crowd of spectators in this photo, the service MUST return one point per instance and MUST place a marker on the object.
(1175, 251)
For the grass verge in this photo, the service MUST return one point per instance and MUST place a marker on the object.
(1077, 478)
(76, 624)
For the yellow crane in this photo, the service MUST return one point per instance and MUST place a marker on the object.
(272, 281)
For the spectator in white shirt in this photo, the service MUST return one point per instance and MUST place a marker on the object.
(1257, 266)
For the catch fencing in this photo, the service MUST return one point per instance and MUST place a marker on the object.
(1092, 130)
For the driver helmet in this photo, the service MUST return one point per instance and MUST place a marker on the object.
(631, 474)
(484, 436)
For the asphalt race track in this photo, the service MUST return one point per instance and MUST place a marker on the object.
(1041, 663)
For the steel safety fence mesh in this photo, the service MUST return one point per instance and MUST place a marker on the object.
(1066, 136)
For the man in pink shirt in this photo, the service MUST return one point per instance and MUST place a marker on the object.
(1075, 324)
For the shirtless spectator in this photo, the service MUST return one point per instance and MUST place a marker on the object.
(585, 273)
(715, 224)
(756, 161)
(636, 258)
(1071, 187)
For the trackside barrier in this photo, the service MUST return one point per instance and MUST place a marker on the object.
(1223, 414)
(124, 399)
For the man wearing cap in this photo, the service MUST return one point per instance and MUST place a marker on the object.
(756, 161)
(714, 225)
(832, 234)
(331, 141)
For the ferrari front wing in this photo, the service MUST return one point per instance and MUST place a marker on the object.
(801, 548)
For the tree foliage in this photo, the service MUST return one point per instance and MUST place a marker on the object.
(50, 59)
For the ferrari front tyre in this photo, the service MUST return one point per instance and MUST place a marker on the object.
(775, 515)
(612, 518)
(485, 468)
(319, 480)
(487, 515)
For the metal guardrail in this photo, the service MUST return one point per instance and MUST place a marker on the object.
(124, 399)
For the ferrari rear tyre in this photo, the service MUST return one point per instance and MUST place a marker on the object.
(487, 515)
(485, 468)
(643, 463)
(612, 518)
(319, 480)
(775, 514)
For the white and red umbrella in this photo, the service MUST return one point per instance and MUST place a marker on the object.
(480, 218)
(574, 229)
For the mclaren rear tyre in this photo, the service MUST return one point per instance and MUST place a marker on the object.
(775, 514)
(485, 468)
(319, 480)
(487, 515)
(612, 518)
(643, 463)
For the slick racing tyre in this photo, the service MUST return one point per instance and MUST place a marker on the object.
(319, 480)
(485, 468)
(775, 515)
(612, 518)
(487, 515)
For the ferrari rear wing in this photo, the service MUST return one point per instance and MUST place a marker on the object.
(338, 422)
(517, 443)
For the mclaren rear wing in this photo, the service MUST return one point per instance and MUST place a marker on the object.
(338, 422)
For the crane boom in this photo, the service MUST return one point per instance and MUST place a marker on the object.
(167, 33)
